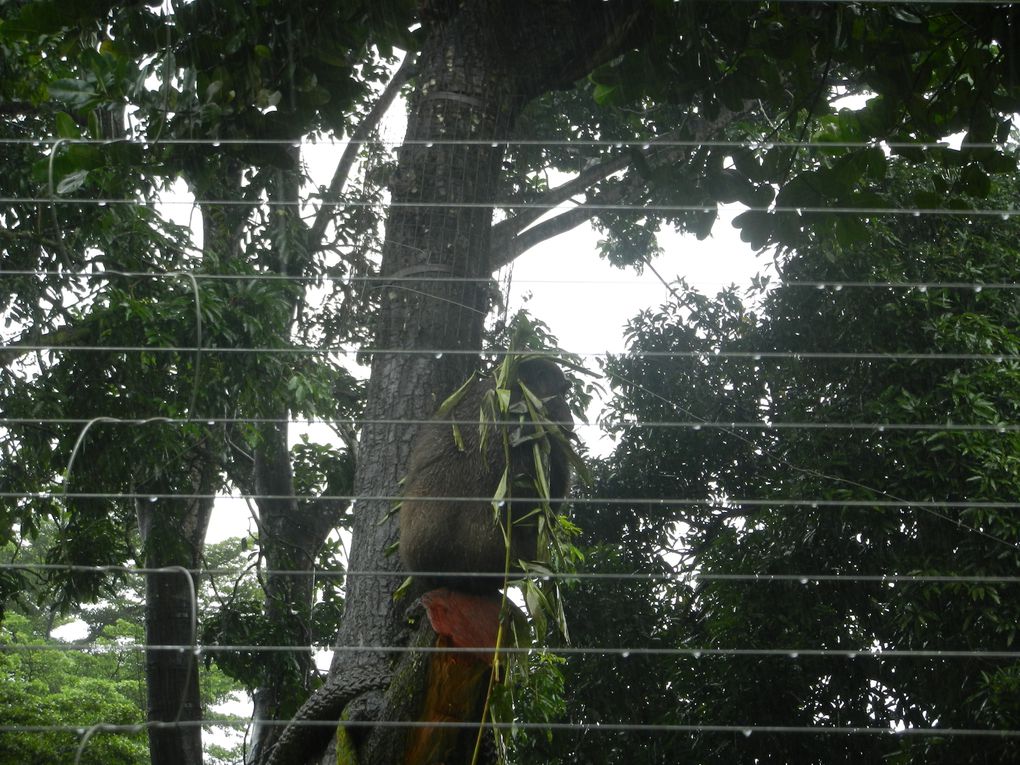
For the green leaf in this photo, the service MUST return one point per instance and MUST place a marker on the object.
(805, 190)
(997, 162)
(34, 20)
(541, 482)
(604, 95)
(77, 93)
(66, 127)
(849, 230)
(499, 496)
(904, 15)
(756, 227)
(538, 605)
(402, 590)
(453, 398)
(503, 396)
(975, 181)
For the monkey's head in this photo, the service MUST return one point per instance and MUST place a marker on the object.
(546, 380)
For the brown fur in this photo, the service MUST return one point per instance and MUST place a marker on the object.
(441, 533)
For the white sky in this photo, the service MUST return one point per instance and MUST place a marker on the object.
(602, 298)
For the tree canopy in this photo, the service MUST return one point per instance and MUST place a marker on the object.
(854, 446)
(151, 368)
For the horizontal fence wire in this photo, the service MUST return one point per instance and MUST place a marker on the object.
(587, 727)
(777, 283)
(509, 204)
(622, 652)
(727, 502)
(437, 353)
(692, 577)
(637, 143)
(638, 424)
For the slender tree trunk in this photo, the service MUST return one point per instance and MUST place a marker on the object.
(172, 532)
(288, 596)
(291, 531)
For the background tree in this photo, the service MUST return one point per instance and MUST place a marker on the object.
(269, 73)
(861, 492)
(95, 671)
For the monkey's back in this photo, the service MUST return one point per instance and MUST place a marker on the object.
(447, 522)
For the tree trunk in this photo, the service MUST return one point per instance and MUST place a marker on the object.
(288, 596)
(431, 686)
(172, 533)
(428, 332)
(480, 63)
(291, 531)
(173, 530)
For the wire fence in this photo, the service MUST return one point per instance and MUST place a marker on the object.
(23, 342)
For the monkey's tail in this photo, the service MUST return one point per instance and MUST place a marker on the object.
(300, 742)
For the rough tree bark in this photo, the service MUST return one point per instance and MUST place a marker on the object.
(294, 531)
(481, 62)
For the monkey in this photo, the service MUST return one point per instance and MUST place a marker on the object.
(440, 533)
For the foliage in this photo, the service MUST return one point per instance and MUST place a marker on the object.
(743, 102)
(842, 501)
(48, 683)
(72, 70)
(232, 615)
(115, 105)
(533, 691)
(100, 95)
(54, 687)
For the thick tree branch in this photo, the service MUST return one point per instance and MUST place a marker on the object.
(61, 337)
(512, 237)
(511, 227)
(350, 154)
(506, 248)
(547, 229)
